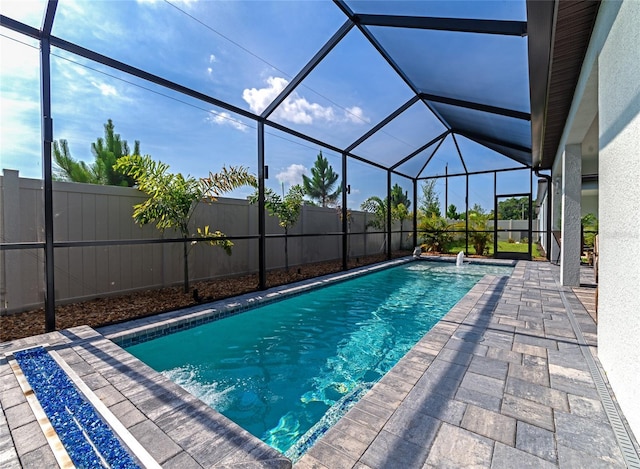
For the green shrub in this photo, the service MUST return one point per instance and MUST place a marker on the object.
(435, 234)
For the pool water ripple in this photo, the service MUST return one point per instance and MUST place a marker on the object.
(276, 370)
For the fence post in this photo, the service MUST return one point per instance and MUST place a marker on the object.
(11, 265)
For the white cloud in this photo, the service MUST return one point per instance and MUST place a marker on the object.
(29, 12)
(292, 175)
(224, 118)
(259, 99)
(105, 90)
(356, 114)
(18, 61)
(20, 135)
(212, 60)
(296, 108)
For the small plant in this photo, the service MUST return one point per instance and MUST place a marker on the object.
(287, 208)
(479, 235)
(511, 240)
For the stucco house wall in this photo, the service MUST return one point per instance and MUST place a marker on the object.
(619, 202)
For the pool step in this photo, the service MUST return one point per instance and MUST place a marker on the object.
(61, 453)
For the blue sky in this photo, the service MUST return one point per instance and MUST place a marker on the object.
(243, 53)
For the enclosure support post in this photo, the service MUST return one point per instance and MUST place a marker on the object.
(530, 213)
(549, 219)
(415, 213)
(388, 228)
(47, 140)
(495, 214)
(262, 266)
(345, 215)
(446, 189)
(466, 218)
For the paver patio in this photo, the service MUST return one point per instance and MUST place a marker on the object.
(501, 382)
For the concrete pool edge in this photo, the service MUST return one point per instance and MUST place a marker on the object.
(132, 332)
(504, 385)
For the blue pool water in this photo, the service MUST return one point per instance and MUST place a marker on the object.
(278, 369)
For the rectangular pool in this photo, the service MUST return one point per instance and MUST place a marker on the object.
(284, 370)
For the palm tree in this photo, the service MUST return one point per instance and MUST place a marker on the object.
(174, 198)
(401, 213)
(320, 186)
(378, 207)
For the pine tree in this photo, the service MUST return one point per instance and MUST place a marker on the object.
(398, 196)
(430, 201)
(106, 151)
(320, 186)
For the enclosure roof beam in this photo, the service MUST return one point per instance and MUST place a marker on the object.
(384, 122)
(483, 140)
(19, 27)
(49, 14)
(421, 149)
(473, 173)
(465, 25)
(108, 61)
(307, 69)
(455, 141)
(374, 42)
(430, 156)
(385, 55)
(476, 106)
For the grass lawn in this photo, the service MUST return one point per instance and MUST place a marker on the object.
(503, 246)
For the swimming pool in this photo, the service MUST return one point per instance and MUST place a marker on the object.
(279, 369)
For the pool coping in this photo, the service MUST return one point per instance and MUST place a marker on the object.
(136, 331)
(140, 330)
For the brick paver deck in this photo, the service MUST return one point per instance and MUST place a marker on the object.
(500, 382)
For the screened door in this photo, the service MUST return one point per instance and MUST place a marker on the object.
(512, 226)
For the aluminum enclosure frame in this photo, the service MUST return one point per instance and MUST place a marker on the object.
(354, 20)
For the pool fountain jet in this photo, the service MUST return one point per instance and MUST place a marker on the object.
(460, 258)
